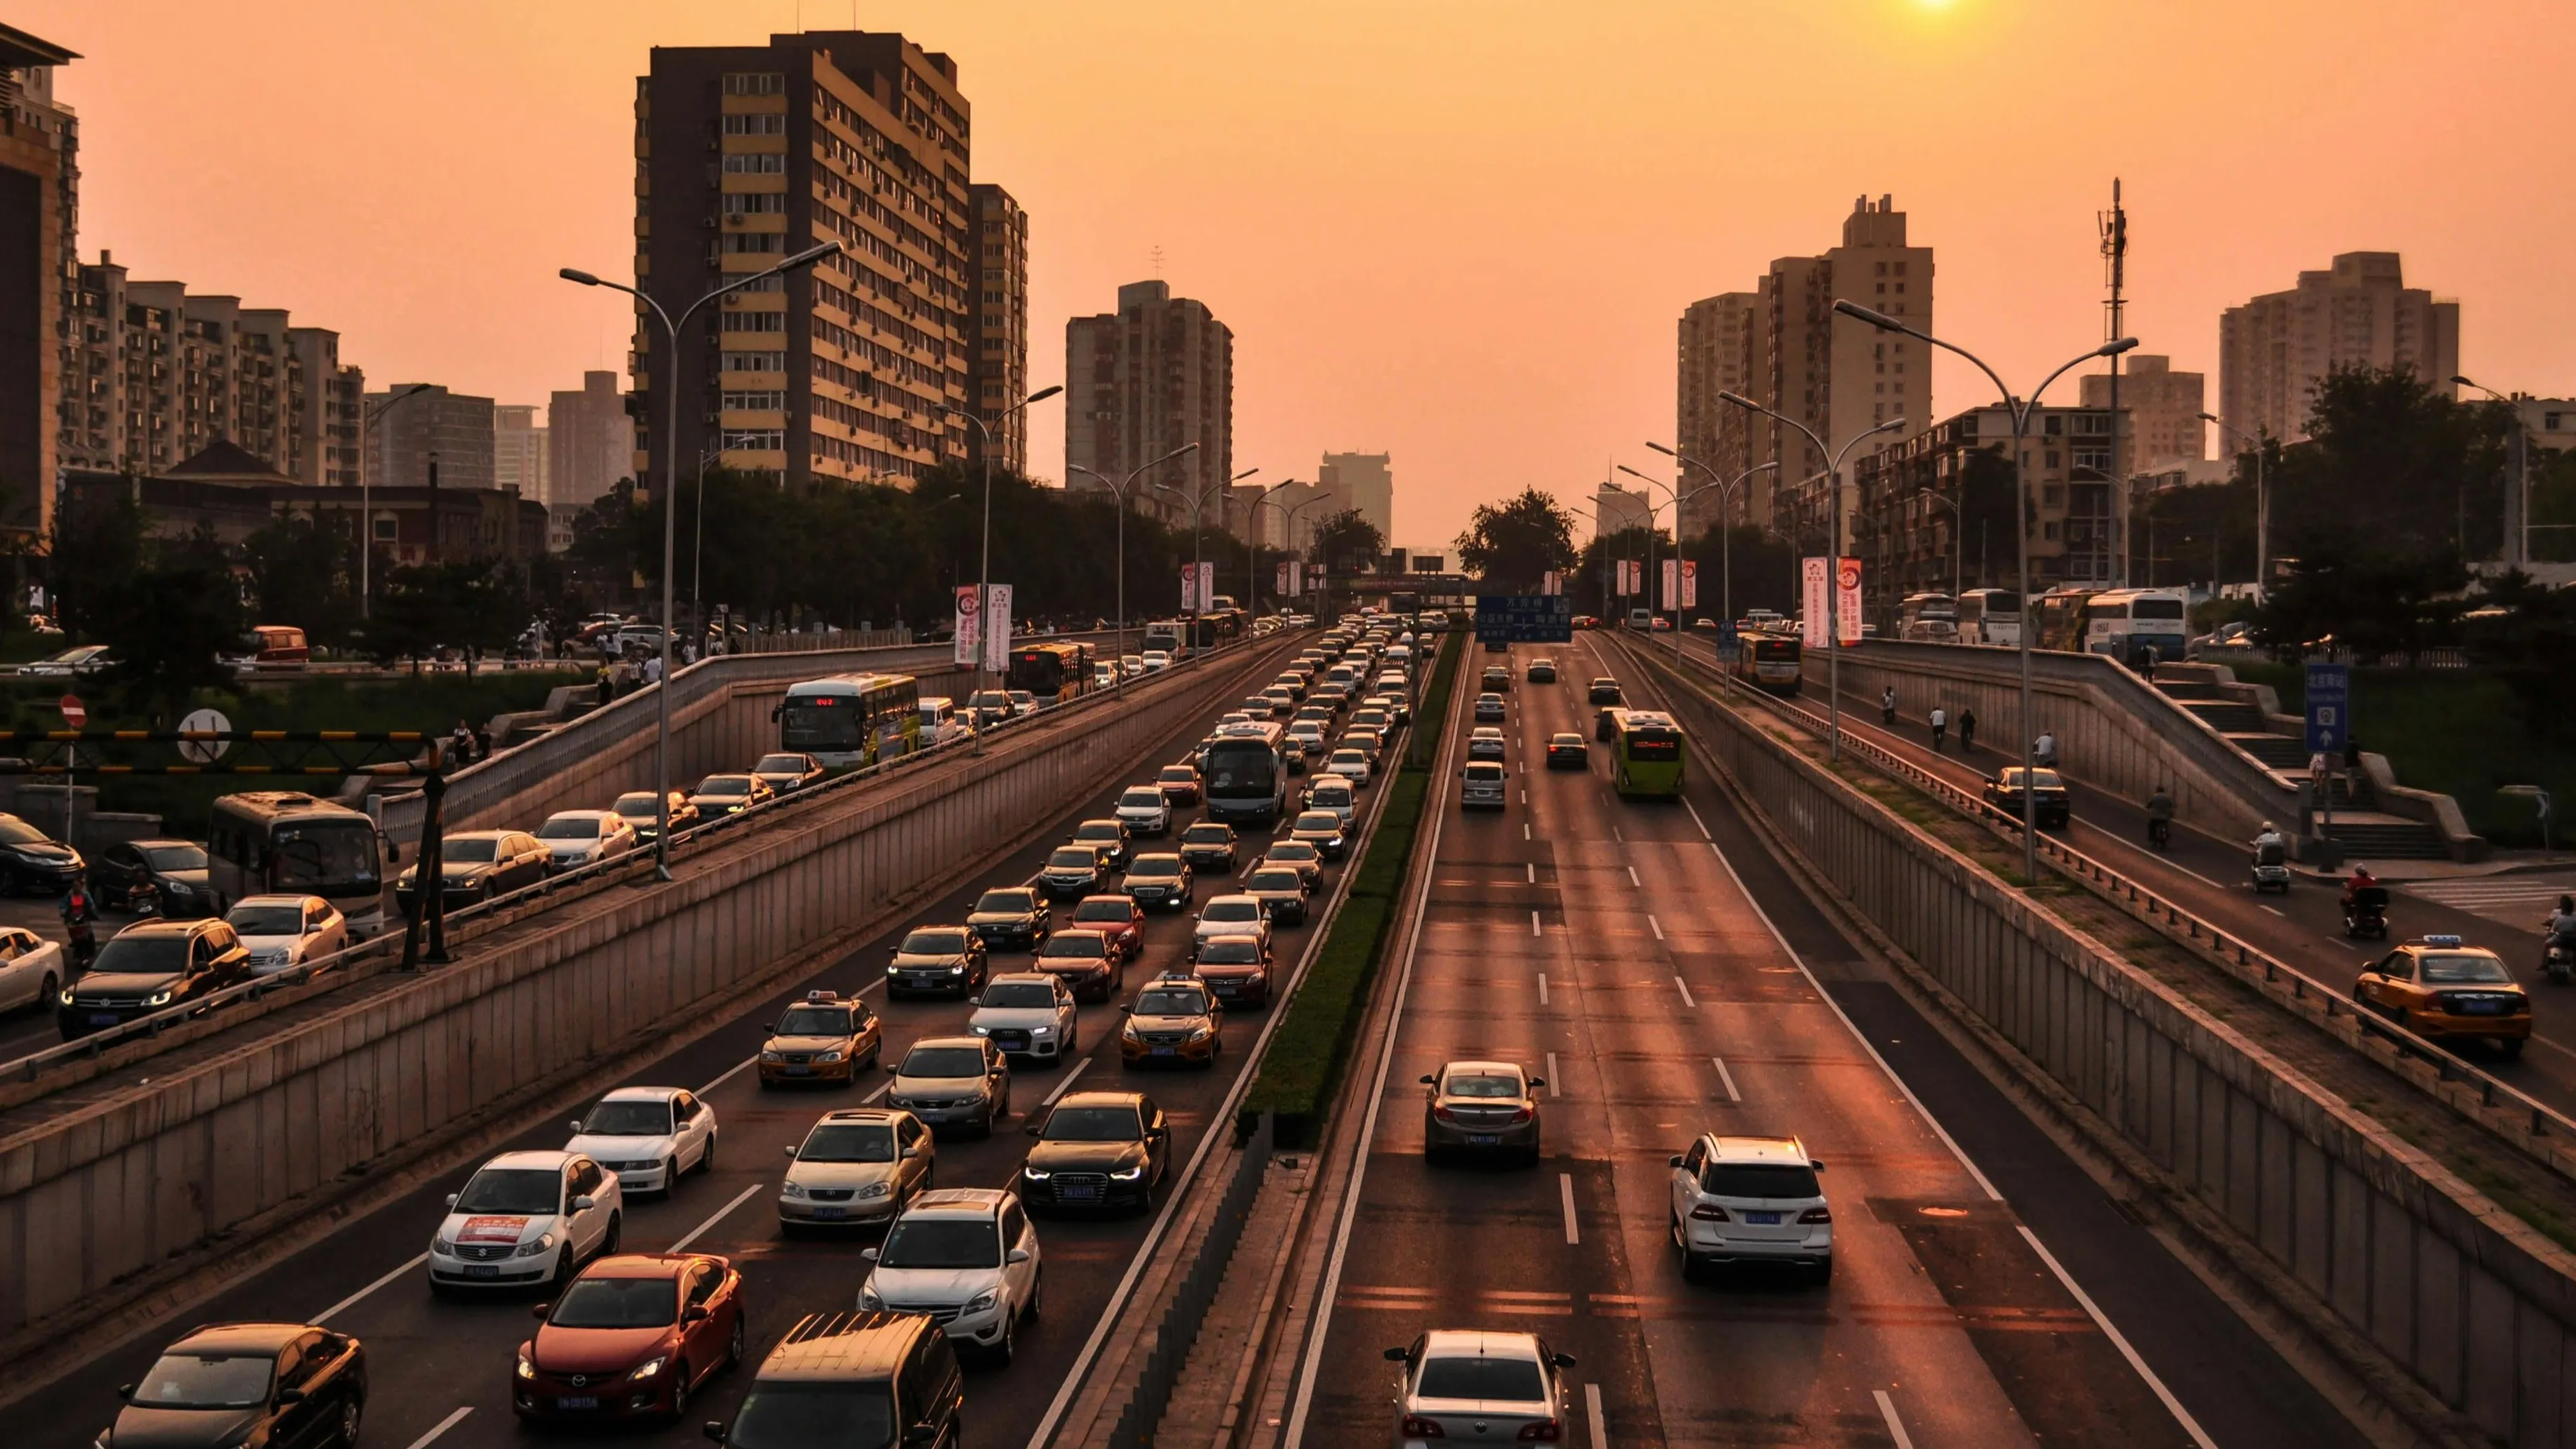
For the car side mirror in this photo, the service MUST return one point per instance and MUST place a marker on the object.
(713, 1430)
(539, 1311)
(1562, 1360)
(1126, 1011)
(1673, 1161)
(974, 1001)
(584, 1203)
(894, 1068)
(921, 1436)
(1017, 1255)
(1035, 1128)
(912, 1151)
(1396, 1355)
(125, 1391)
(694, 1313)
(289, 1396)
(575, 1124)
(868, 1253)
(1430, 1081)
(1538, 1082)
(1817, 1163)
(791, 1152)
(452, 1197)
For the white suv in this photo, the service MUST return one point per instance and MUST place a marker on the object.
(1740, 1199)
(1026, 1013)
(967, 1257)
(1144, 811)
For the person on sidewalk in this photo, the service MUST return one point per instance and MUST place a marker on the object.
(2351, 769)
(1887, 706)
(1940, 727)
(2160, 814)
(2044, 750)
(1968, 730)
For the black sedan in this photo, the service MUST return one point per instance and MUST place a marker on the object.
(1567, 751)
(937, 960)
(246, 1383)
(721, 795)
(1209, 846)
(31, 862)
(1010, 917)
(2048, 796)
(173, 869)
(1604, 690)
(152, 966)
(1097, 1149)
(635, 807)
(476, 865)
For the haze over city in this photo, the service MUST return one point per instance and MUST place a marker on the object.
(1456, 233)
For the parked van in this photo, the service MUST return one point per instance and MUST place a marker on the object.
(940, 721)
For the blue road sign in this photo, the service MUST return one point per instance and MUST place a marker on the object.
(1525, 618)
(2329, 709)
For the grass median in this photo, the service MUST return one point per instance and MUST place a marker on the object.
(1301, 1072)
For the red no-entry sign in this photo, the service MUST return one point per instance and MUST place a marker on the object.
(75, 713)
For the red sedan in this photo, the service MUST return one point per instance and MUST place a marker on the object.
(1180, 784)
(1117, 917)
(633, 1336)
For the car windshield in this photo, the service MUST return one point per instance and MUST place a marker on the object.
(725, 785)
(636, 807)
(151, 955)
(266, 920)
(1171, 1001)
(1112, 909)
(1291, 850)
(1083, 945)
(1020, 995)
(990, 699)
(815, 1021)
(1142, 797)
(1784, 1181)
(855, 1142)
(522, 1191)
(19, 832)
(1155, 865)
(1007, 902)
(1092, 1124)
(1575, 740)
(949, 1061)
(1179, 775)
(949, 942)
(570, 827)
(1106, 830)
(175, 857)
(628, 1119)
(1350, 757)
(216, 1381)
(1320, 819)
(918, 1242)
(1073, 857)
(1230, 953)
(617, 1303)
(1204, 834)
(2453, 968)
(1515, 1380)
(326, 856)
(469, 850)
(803, 1415)
(780, 765)
(1482, 1085)
(1231, 911)
(1274, 880)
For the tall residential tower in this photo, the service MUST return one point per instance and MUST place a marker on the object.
(1142, 381)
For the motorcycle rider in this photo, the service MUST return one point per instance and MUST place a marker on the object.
(1940, 727)
(2269, 838)
(2562, 921)
(79, 909)
(2160, 814)
(1887, 706)
(2044, 754)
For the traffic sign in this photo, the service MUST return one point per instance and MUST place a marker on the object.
(75, 713)
(207, 722)
(2329, 710)
(1525, 618)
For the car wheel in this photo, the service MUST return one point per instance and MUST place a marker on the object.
(351, 1411)
(615, 1235)
(1037, 1295)
(563, 1273)
(679, 1391)
(670, 1174)
(1003, 1351)
(733, 1344)
(2511, 1047)
(50, 988)
(1825, 1269)
(707, 1155)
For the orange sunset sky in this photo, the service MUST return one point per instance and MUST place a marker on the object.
(1458, 232)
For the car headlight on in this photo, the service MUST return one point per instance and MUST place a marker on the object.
(1035, 1173)
(1129, 1033)
(871, 1192)
(983, 1300)
(545, 1244)
(981, 1030)
(648, 1368)
(1202, 1032)
(1041, 1031)
(831, 1056)
(956, 970)
(158, 998)
(792, 1190)
(527, 1370)
(1129, 1174)
(64, 996)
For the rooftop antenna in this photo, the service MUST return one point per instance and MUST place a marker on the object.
(1158, 261)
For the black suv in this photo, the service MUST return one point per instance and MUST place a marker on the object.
(1097, 1149)
(886, 1378)
(1010, 916)
(152, 966)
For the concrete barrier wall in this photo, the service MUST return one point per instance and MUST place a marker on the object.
(2478, 1306)
(105, 1192)
(2114, 730)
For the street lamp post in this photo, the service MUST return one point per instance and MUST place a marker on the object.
(1118, 495)
(1833, 558)
(1291, 539)
(1198, 508)
(984, 565)
(2021, 411)
(2516, 544)
(698, 549)
(2262, 508)
(1681, 498)
(1252, 547)
(1725, 532)
(367, 501)
(670, 507)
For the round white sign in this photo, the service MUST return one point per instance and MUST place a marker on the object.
(204, 721)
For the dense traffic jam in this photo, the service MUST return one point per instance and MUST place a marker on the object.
(1239, 836)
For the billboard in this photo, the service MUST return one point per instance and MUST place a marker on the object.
(1847, 609)
(997, 628)
(1672, 583)
(967, 618)
(1812, 581)
(1690, 583)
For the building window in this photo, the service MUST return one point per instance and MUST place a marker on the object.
(768, 125)
(746, 203)
(750, 83)
(757, 440)
(754, 362)
(756, 402)
(767, 163)
(755, 321)
(2048, 531)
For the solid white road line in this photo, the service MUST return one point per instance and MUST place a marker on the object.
(1565, 1195)
(1542, 988)
(1695, 820)
(1656, 926)
(2119, 1341)
(1062, 1086)
(1684, 988)
(1895, 1425)
(1728, 1078)
(1555, 1088)
(882, 1088)
(327, 1314)
(442, 1426)
(1592, 1411)
(1632, 878)
(1615, 835)
(729, 1074)
(2276, 910)
(715, 1217)
(1534, 927)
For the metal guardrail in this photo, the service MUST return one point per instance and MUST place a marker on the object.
(1188, 1307)
(382, 952)
(2511, 1115)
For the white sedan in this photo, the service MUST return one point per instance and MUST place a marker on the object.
(649, 1136)
(526, 1219)
(576, 838)
(31, 968)
(282, 932)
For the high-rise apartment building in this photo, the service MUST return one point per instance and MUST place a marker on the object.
(1838, 376)
(1909, 538)
(590, 442)
(1725, 347)
(1142, 381)
(1288, 521)
(846, 370)
(1366, 481)
(2164, 408)
(429, 425)
(519, 451)
(39, 240)
(2275, 349)
(999, 370)
(153, 374)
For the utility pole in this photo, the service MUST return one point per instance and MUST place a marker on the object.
(2115, 259)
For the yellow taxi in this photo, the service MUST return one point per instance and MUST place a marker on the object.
(1174, 1019)
(2439, 988)
(827, 1037)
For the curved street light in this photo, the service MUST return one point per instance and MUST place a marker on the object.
(1118, 496)
(984, 565)
(1725, 533)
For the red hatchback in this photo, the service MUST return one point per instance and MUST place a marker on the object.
(1117, 917)
(634, 1335)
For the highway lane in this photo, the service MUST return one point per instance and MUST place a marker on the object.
(2305, 927)
(432, 1359)
(1656, 996)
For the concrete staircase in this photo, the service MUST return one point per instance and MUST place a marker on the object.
(2365, 834)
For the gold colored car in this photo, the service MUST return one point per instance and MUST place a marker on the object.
(857, 1165)
(1176, 1019)
(2439, 988)
(826, 1037)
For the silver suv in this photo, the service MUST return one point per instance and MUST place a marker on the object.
(1741, 1199)
(1484, 1388)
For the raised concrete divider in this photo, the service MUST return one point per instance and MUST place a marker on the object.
(2475, 1305)
(116, 1192)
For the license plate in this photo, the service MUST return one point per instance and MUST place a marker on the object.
(1223, 988)
(1763, 1220)
(830, 1214)
(1164, 1051)
(586, 1401)
(1079, 1194)
(482, 1270)
(1482, 1139)
(102, 1018)
(798, 1071)
(2481, 1008)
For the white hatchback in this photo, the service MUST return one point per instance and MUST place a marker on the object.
(1750, 1198)
(526, 1219)
(649, 1136)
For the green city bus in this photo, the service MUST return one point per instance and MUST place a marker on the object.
(1646, 757)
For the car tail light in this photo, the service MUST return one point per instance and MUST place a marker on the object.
(1418, 1427)
(1523, 1115)
(1816, 1215)
(1709, 1212)
(1444, 1114)
(1545, 1431)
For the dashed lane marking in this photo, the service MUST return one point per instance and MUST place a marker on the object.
(716, 1217)
(1684, 988)
(442, 1426)
(1727, 1079)
(1565, 1195)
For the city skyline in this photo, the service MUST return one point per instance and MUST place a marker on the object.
(1360, 253)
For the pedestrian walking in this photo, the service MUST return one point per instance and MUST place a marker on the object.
(460, 744)
(1940, 727)
(607, 685)
(653, 669)
(482, 742)
(1968, 730)
(2044, 750)
(2351, 767)
(1887, 706)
